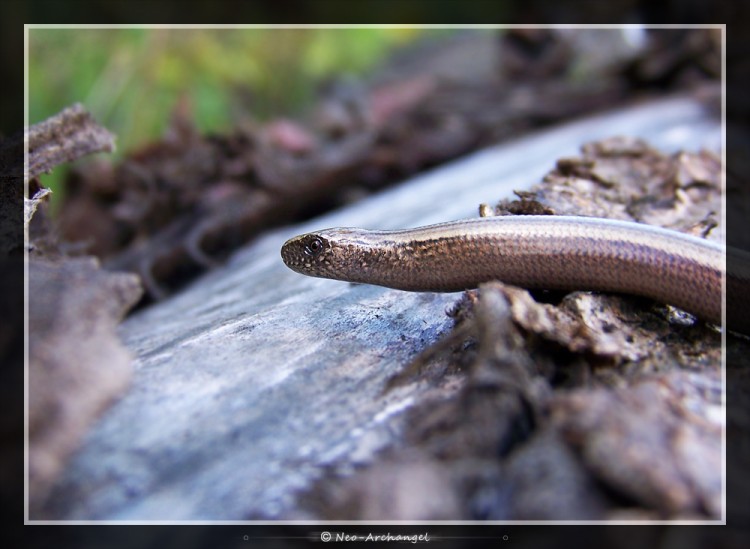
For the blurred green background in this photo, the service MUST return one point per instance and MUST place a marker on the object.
(131, 79)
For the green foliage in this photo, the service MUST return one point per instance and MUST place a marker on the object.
(131, 79)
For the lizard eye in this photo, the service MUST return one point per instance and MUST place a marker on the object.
(314, 247)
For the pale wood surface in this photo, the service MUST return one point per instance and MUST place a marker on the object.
(254, 377)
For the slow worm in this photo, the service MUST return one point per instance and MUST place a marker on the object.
(549, 252)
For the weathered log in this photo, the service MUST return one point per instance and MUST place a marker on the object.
(254, 379)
